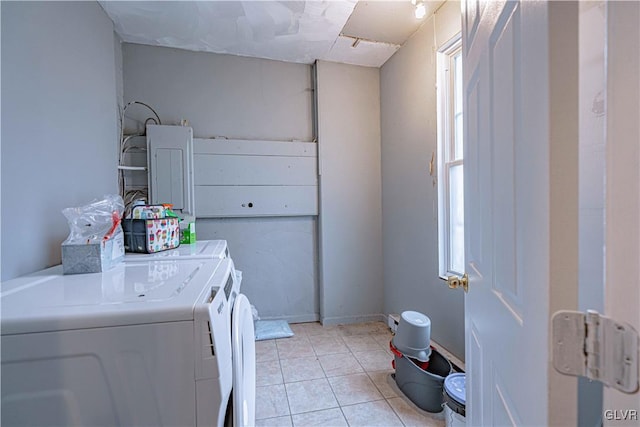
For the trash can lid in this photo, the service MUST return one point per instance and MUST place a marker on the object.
(454, 385)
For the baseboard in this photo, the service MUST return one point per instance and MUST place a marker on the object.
(345, 320)
(296, 318)
(329, 321)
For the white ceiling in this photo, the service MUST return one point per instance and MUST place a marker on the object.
(350, 31)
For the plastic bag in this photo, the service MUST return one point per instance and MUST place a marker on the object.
(98, 220)
(272, 329)
(254, 312)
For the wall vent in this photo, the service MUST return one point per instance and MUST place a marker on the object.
(213, 352)
(392, 321)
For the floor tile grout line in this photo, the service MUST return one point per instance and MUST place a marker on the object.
(331, 388)
(314, 410)
(286, 393)
(376, 385)
(362, 403)
(363, 372)
(351, 354)
(344, 416)
(395, 412)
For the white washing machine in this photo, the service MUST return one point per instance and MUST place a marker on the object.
(147, 343)
(201, 249)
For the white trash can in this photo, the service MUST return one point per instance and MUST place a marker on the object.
(455, 400)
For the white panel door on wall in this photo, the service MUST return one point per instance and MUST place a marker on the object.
(518, 248)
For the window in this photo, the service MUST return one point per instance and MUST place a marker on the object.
(450, 161)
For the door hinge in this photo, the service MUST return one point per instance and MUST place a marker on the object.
(596, 347)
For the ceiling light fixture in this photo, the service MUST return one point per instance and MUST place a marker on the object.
(421, 10)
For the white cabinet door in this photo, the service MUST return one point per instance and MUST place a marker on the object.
(170, 162)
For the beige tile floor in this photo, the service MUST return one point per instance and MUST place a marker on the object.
(332, 376)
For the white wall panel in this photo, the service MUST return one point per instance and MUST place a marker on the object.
(255, 170)
(236, 178)
(254, 147)
(247, 200)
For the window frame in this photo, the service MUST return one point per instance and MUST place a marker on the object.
(446, 144)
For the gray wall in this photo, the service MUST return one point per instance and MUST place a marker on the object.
(409, 196)
(350, 188)
(236, 97)
(221, 95)
(59, 124)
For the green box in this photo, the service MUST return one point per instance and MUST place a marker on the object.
(188, 234)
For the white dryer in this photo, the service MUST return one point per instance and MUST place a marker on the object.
(243, 347)
(241, 333)
(201, 249)
(147, 343)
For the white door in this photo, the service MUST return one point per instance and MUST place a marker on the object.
(520, 64)
(622, 283)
